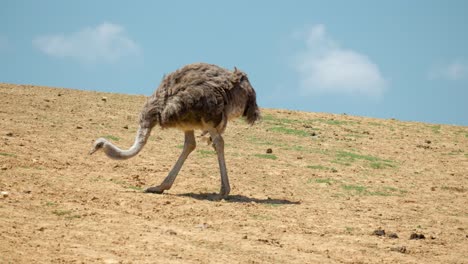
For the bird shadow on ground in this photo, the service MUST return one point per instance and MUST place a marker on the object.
(236, 198)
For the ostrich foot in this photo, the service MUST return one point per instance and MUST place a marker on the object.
(224, 194)
(156, 189)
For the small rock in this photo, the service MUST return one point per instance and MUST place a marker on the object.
(433, 188)
(415, 236)
(104, 99)
(428, 141)
(313, 134)
(4, 168)
(393, 235)
(269, 151)
(46, 100)
(4, 194)
(27, 191)
(379, 232)
(334, 170)
(299, 157)
(401, 249)
(126, 127)
(79, 127)
(59, 94)
(244, 237)
(171, 232)
(41, 229)
(9, 134)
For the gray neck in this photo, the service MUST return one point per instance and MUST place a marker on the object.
(116, 153)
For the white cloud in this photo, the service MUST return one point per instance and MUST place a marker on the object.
(106, 42)
(325, 67)
(454, 71)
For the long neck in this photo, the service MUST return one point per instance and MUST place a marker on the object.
(116, 153)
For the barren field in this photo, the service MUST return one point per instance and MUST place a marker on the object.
(335, 189)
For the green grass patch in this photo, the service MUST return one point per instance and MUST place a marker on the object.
(321, 167)
(261, 217)
(381, 165)
(289, 131)
(346, 158)
(278, 120)
(66, 213)
(7, 154)
(136, 188)
(355, 136)
(394, 190)
(317, 167)
(325, 181)
(31, 168)
(353, 156)
(363, 190)
(266, 156)
(70, 217)
(375, 124)
(436, 129)
(333, 122)
(111, 137)
(354, 188)
(206, 153)
(61, 212)
(50, 204)
(306, 149)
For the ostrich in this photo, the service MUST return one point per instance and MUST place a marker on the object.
(197, 96)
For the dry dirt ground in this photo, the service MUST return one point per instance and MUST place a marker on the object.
(330, 189)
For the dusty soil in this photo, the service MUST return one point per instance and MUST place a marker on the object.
(325, 193)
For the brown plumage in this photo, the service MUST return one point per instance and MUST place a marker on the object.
(197, 96)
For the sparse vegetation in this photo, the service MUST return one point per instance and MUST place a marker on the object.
(7, 154)
(363, 190)
(289, 131)
(114, 138)
(293, 199)
(326, 181)
(381, 165)
(261, 217)
(436, 129)
(347, 158)
(317, 167)
(266, 156)
(206, 153)
(61, 212)
(50, 204)
(136, 188)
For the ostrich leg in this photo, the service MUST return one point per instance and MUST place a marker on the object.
(189, 146)
(218, 144)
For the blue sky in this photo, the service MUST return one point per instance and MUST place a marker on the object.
(388, 59)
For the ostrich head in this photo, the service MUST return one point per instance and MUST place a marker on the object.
(98, 144)
(251, 110)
